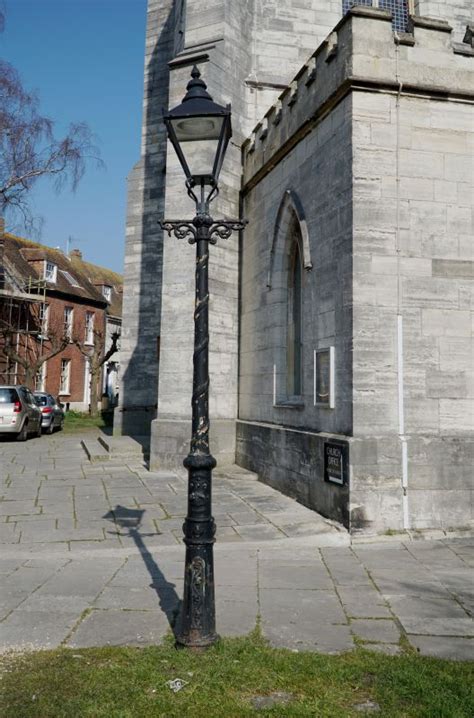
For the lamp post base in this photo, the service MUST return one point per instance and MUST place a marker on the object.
(200, 643)
(197, 626)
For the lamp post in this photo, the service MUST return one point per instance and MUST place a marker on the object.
(199, 130)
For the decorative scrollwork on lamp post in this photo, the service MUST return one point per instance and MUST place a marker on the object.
(199, 119)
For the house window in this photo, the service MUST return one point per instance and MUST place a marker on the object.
(65, 376)
(50, 272)
(294, 314)
(107, 292)
(43, 319)
(68, 321)
(40, 379)
(89, 338)
(398, 8)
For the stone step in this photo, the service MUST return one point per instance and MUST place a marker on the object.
(95, 451)
(121, 447)
(108, 448)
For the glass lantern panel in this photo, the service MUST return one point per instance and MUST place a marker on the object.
(200, 156)
(195, 129)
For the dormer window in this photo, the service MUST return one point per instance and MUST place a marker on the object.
(107, 291)
(50, 272)
(73, 282)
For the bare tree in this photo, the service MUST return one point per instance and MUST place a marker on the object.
(97, 357)
(29, 348)
(29, 150)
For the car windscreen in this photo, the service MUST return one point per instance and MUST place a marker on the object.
(8, 396)
(41, 400)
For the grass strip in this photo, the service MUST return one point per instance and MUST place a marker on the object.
(224, 681)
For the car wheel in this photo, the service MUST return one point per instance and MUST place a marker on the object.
(50, 428)
(23, 434)
(38, 433)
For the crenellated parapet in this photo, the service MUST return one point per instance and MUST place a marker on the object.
(361, 53)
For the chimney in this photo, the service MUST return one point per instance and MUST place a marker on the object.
(75, 253)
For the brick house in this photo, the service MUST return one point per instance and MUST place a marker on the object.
(52, 304)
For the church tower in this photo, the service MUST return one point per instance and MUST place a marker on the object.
(341, 321)
(247, 53)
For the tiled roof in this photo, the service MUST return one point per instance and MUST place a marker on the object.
(26, 258)
(100, 277)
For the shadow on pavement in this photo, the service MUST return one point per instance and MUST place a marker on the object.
(130, 520)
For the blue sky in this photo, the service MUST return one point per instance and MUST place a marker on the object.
(85, 59)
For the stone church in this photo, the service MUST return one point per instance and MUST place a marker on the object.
(342, 318)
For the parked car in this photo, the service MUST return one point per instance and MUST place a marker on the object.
(19, 412)
(52, 411)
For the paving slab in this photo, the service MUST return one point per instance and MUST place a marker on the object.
(275, 574)
(376, 630)
(302, 619)
(453, 648)
(363, 602)
(33, 630)
(120, 628)
(99, 559)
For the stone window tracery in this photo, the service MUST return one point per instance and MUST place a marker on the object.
(400, 10)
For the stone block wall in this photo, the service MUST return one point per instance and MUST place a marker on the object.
(302, 150)
(317, 173)
(458, 13)
(407, 372)
(413, 287)
(292, 461)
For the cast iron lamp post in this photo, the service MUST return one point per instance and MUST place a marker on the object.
(200, 130)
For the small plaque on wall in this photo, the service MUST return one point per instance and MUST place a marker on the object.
(335, 462)
(324, 394)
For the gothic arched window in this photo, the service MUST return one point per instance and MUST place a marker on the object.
(289, 263)
(294, 335)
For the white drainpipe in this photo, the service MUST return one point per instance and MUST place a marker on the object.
(401, 424)
(401, 398)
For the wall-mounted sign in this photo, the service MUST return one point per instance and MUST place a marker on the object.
(324, 394)
(335, 462)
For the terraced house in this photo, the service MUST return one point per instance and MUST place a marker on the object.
(57, 314)
(342, 355)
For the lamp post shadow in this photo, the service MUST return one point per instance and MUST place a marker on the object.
(130, 520)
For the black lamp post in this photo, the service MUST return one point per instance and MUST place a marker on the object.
(200, 130)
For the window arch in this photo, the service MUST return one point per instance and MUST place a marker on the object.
(288, 260)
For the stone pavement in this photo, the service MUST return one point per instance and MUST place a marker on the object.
(92, 555)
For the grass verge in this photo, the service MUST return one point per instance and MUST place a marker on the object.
(78, 421)
(224, 681)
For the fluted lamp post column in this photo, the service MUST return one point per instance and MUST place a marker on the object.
(199, 130)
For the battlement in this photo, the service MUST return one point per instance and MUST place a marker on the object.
(361, 53)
